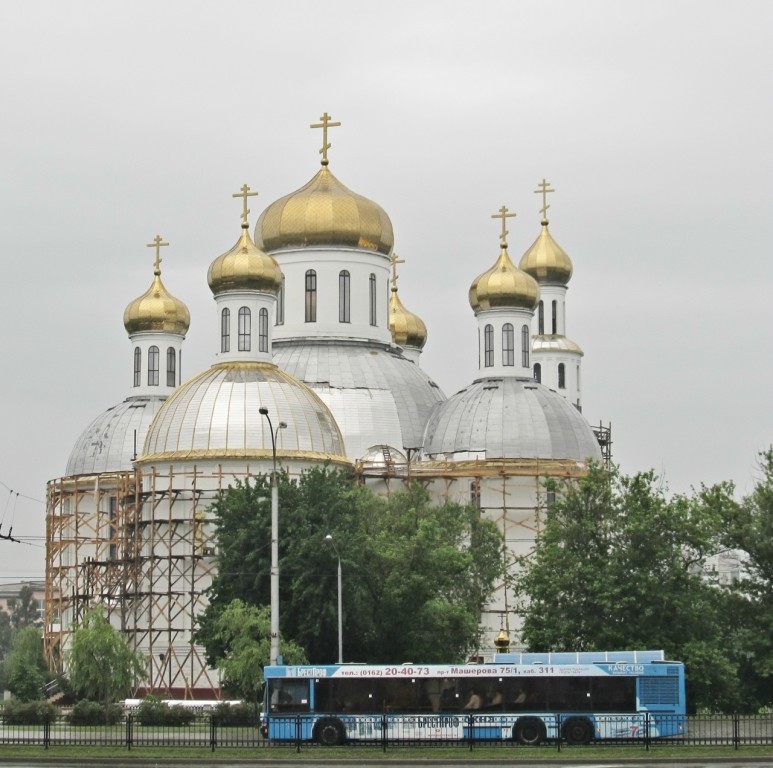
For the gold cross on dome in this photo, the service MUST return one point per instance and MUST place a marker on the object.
(324, 125)
(244, 193)
(544, 190)
(158, 244)
(504, 215)
(394, 261)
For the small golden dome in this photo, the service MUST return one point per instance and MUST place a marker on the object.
(502, 641)
(504, 285)
(408, 330)
(244, 267)
(324, 213)
(157, 310)
(546, 261)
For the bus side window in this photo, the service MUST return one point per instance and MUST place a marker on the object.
(289, 696)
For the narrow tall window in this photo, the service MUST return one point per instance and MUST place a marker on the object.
(538, 373)
(373, 317)
(475, 493)
(525, 345)
(311, 296)
(280, 303)
(263, 330)
(225, 330)
(171, 367)
(488, 346)
(137, 366)
(344, 296)
(541, 318)
(153, 367)
(554, 311)
(245, 329)
(561, 376)
(508, 344)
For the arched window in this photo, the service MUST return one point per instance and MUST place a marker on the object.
(171, 367)
(280, 303)
(311, 296)
(538, 373)
(561, 376)
(373, 317)
(344, 296)
(488, 346)
(225, 330)
(245, 329)
(541, 317)
(137, 366)
(263, 330)
(554, 311)
(508, 344)
(525, 345)
(153, 367)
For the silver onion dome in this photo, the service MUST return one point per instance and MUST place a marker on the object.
(508, 418)
(111, 442)
(216, 415)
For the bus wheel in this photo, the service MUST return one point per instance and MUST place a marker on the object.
(329, 732)
(529, 731)
(577, 730)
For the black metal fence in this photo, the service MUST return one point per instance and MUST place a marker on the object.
(390, 731)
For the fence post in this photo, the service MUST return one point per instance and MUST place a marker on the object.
(46, 731)
(558, 731)
(470, 726)
(129, 731)
(383, 733)
(298, 734)
(646, 731)
(212, 731)
(736, 730)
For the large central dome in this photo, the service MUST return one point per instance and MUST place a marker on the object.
(324, 213)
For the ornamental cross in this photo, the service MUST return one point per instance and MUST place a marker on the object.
(543, 190)
(394, 261)
(504, 215)
(324, 125)
(158, 244)
(244, 194)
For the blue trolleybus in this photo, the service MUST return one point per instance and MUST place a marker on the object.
(525, 697)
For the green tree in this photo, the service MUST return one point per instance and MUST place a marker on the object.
(25, 667)
(101, 665)
(240, 639)
(749, 532)
(620, 565)
(24, 609)
(416, 575)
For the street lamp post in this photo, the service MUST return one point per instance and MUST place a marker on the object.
(330, 539)
(274, 540)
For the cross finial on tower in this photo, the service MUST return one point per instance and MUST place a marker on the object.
(544, 190)
(244, 193)
(394, 261)
(158, 244)
(324, 125)
(504, 215)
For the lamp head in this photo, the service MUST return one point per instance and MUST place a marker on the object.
(282, 425)
(263, 411)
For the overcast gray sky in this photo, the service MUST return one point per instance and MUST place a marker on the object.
(652, 121)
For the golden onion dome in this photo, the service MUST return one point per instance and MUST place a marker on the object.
(324, 213)
(244, 267)
(157, 310)
(408, 330)
(504, 285)
(546, 261)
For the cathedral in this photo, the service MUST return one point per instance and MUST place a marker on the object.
(318, 362)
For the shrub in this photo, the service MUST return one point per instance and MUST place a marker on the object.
(237, 714)
(153, 711)
(29, 712)
(93, 713)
